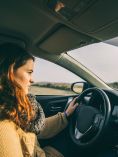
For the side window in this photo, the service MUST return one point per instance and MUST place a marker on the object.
(52, 79)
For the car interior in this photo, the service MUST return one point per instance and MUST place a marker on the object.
(50, 32)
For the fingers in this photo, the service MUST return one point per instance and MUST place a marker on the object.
(72, 106)
(73, 102)
(76, 105)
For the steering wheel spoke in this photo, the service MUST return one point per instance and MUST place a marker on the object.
(98, 121)
(78, 134)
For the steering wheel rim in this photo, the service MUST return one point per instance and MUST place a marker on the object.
(75, 133)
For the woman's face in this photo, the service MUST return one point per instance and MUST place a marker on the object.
(23, 75)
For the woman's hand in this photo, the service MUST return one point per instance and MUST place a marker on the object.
(71, 108)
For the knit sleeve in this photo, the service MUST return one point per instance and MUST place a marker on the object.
(9, 141)
(53, 125)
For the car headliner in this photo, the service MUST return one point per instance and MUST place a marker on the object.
(32, 24)
(47, 34)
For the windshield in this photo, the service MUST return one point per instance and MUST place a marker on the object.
(101, 59)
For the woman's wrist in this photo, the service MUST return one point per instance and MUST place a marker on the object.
(66, 115)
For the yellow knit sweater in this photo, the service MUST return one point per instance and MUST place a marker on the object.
(14, 142)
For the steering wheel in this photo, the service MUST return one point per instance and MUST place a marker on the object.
(88, 122)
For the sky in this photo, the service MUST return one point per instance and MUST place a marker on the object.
(45, 71)
(100, 58)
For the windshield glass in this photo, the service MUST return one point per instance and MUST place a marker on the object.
(101, 59)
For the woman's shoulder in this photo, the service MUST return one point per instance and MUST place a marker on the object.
(9, 140)
(8, 130)
(7, 125)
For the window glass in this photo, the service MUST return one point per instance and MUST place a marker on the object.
(101, 59)
(52, 79)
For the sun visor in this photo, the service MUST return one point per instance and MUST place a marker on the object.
(64, 39)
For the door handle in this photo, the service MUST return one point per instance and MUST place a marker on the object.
(55, 108)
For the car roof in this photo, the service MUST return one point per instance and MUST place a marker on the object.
(36, 26)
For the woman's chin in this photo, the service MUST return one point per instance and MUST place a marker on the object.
(26, 91)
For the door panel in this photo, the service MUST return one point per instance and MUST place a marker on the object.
(53, 104)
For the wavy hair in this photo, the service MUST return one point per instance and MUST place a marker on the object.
(14, 103)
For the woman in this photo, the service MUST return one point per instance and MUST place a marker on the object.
(20, 116)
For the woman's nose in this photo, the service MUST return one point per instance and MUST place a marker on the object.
(31, 81)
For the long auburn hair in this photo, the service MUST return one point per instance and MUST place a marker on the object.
(14, 103)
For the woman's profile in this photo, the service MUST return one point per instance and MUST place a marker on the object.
(21, 117)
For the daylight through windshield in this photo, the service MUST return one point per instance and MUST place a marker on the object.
(101, 59)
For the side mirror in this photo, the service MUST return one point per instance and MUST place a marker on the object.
(79, 87)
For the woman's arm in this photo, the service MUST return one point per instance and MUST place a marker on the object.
(45, 127)
(53, 125)
(9, 141)
(48, 127)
